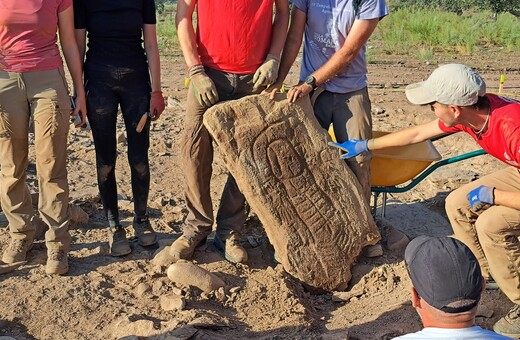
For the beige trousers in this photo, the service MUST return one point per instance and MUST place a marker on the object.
(44, 95)
(493, 234)
(350, 115)
(197, 159)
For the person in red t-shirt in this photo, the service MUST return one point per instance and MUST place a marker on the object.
(233, 52)
(32, 84)
(484, 214)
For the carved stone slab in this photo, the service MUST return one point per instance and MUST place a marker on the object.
(306, 197)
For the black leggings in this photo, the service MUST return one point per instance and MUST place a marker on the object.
(107, 87)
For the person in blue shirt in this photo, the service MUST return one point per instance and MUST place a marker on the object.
(334, 73)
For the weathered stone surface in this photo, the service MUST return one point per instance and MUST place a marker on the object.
(125, 327)
(306, 197)
(78, 216)
(172, 302)
(189, 274)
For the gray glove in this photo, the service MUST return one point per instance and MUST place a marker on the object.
(267, 73)
(202, 86)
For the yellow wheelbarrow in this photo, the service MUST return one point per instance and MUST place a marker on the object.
(394, 166)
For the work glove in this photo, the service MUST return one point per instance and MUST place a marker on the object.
(267, 72)
(157, 104)
(481, 196)
(353, 147)
(202, 86)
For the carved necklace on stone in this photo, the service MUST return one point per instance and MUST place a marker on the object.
(485, 123)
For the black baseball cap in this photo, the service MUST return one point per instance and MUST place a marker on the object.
(443, 270)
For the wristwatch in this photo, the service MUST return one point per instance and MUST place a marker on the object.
(311, 81)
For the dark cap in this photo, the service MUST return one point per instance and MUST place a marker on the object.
(443, 271)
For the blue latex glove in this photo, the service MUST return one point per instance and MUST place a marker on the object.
(353, 147)
(481, 196)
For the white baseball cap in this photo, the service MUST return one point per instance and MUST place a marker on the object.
(450, 84)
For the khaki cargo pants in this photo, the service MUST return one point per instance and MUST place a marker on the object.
(493, 234)
(350, 115)
(44, 96)
(197, 156)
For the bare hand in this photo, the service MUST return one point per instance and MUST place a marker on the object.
(80, 110)
(299, 91)
(273, 89)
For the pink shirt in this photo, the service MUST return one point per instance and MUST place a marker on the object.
(28, 34)
(234, 36)
(502, 137)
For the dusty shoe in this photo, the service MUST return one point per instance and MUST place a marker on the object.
(233, 251)
(396, 239)
(17, 251)
(184, 246)
(57, 262)
(491, 284)
(117, 241)
(146, 236)
(373, 251)
(509, 325)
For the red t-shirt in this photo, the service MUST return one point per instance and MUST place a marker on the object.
(234, 35)
(502, 137)
(28, 34)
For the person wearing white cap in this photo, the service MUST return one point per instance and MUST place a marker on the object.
(484, 214)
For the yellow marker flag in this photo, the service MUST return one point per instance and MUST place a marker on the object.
(502, 81)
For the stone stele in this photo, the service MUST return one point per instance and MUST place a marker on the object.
(306, 197)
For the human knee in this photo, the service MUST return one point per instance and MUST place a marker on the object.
(104, 171)
(140, 169)
(492, 222)
(456, 200)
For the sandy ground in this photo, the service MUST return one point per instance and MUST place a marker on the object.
(104, 297)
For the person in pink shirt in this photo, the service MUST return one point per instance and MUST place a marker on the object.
(484, 214)
(33, 85)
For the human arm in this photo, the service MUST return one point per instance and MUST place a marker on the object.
(157, 104)
(267, 73)
(73, 60)
(485, 195)
(408, 136)
(291, 48)
(357, 37)
(81, 41)
(202, 86)
(509, 199)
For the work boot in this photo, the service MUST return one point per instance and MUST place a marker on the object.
(509, 325)
(117, 241)
(396, 239)
(57, 261)
(233, 251)
(146, 236)
(17, 250)
(375, 250)
(184, 246)
(491, 284)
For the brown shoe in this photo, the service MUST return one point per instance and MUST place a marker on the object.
(233, 251)
(396, 239)
(375, 250)
(17, 250)
(509, 325)
(184, 246)
(57, 262)
(143, 230)
(117, 242)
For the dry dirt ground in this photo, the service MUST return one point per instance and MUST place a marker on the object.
(104, 297)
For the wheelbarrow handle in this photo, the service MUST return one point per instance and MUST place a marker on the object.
(429, 170)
